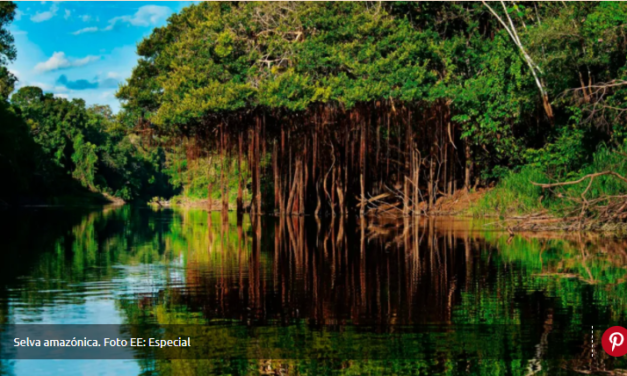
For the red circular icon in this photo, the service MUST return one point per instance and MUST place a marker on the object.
(614, 341)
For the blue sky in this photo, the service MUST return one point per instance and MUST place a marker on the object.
(82, 49)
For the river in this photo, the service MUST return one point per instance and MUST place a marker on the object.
(300, 296)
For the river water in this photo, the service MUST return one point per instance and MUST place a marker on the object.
(304, 297)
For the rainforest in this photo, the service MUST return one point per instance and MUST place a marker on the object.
(324, 188)
(337, 108)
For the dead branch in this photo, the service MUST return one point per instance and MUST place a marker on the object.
(589, 176)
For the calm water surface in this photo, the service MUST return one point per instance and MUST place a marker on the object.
(298, 296)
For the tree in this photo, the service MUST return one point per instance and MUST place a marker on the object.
(533, 67)
(8, 52)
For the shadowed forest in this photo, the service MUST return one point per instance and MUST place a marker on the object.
(325, 108)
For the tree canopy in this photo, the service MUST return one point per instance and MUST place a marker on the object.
(445, 95)
(503, 79)
(212, 59)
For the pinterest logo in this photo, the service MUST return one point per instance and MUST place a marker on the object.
(613, 341)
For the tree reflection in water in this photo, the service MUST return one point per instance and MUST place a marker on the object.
(294, 295)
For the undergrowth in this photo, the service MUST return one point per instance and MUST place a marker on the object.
(516, 195)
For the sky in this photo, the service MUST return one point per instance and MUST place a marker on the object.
(82, 49)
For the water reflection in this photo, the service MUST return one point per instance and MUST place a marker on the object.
(343, 285)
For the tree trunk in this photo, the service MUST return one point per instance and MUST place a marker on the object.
(362, 209)
(417, 163)
(333, 178)
(406, 198)
(431, 181)
(318, 201)
(258, 168)
(290, 201)
(301, 188)
(362, 156)
(225, 187)
(533, 67)
(468, 168)
(240, 193)
(209, 190)
(340, 193)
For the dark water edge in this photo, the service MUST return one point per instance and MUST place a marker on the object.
(296, 296)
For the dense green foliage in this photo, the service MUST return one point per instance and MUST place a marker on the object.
(57, 151)
(89, 144)
(54, 143)
(214, 64)
(193, 178)
(24, 166)
(8, 52)
(452, 60)
(215, 58)
(515, 195)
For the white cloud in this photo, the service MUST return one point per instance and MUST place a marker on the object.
(84, 61)
(121, 60)
(45, 16)
(92, 29)
(146, 16)
(58, 60)
(18, 14)
(59, 95)
(68, 13)
(86, 17)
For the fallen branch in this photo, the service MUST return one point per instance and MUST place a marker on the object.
(600, 213)
(589, 176)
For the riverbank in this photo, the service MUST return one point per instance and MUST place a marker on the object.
(457, 204)
(191, 203)
(539, 219)
(76, 199)
(466, 204)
